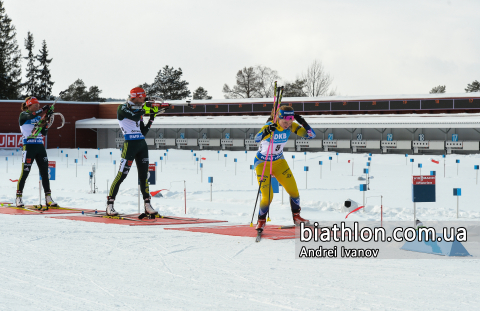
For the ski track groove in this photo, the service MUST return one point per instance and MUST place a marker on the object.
(35, 302)
(241, 251)
(83, 276)
(69, 297)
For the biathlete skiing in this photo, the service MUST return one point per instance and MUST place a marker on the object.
(130, 119)
(33, 148)
(280, 132)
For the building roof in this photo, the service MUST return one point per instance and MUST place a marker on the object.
(462, 120)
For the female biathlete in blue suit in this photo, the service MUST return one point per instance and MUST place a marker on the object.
(280, 131)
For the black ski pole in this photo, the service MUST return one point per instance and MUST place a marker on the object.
(255, 207)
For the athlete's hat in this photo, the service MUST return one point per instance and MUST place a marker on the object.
(31, 101)
(137, 92)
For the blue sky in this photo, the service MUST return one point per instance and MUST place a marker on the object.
(369, 47)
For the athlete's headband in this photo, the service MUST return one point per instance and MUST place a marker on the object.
(286, 115)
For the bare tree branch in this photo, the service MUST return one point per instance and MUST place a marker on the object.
(267, 78)
(318, 80)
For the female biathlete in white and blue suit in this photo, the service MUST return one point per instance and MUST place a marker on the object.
(281, 131)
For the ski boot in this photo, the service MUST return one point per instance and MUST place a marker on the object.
(19, 200)
(149, 213)
(297, 219)
(49, 201)
(149, 209)
(261, 224)
(260, 227)
(110, 210)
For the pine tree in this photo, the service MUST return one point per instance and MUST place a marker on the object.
(168, 84)
(45, 84)
(252, 82)
(94, 94)
(473, 87)
(438, 89)
(248, 85)
(10, 59)
(31, 86)
(77, 91)
(295, 89)
(201, 93)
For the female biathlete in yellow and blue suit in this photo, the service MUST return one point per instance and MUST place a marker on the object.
(280, 131)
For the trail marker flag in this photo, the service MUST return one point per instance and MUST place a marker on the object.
(51, 170)
(457, 192)
(275, 186)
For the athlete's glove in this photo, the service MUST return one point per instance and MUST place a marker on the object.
(301, 120)
(45, 108)
(150, 111)
(269, 129)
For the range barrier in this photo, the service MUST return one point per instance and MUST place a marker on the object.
(317, 144)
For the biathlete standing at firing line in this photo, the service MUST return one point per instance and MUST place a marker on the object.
(130, 118)
(280, 131)
(33, 149)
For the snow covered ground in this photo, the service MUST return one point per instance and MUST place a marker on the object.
(52, 264)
